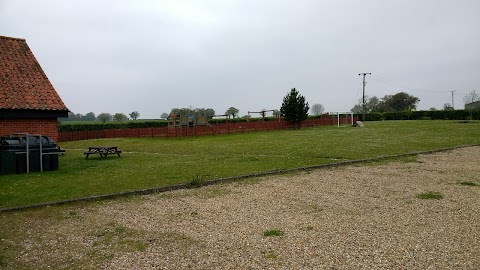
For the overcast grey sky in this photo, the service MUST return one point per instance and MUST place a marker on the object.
(150, 56)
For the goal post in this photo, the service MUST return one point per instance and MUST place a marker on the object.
(344, 118)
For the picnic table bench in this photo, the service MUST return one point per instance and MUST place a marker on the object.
(103, 151)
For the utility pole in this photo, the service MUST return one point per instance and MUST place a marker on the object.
(363, 99)
(453, 104)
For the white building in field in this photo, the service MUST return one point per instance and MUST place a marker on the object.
(473, 106)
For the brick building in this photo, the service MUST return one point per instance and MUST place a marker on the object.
(28, 101)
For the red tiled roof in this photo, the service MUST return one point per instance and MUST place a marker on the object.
(23, 84)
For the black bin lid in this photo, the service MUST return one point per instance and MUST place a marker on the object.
(10, 141)
(32, 140)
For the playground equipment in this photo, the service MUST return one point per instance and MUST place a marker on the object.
(262, 113)
(223, 115)
(188, 118)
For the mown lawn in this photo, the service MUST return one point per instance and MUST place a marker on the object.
(157, 162)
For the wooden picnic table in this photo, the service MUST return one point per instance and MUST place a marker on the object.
(103, 151)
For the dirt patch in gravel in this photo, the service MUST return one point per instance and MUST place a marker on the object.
(355, 217)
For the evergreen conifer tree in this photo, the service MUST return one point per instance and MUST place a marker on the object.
(294, 108)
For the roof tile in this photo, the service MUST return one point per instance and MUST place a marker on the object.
(23, 84)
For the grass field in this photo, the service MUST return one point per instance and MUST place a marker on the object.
(157, 162)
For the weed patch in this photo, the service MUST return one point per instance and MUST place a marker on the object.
(308, 228)
(133, 245)
(274, 232)
(430, 196)
(113, 237)
(472, 184)
(271, 255)
(197, 182)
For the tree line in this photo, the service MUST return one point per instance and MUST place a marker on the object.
(294, 108)
(402, 102)
(103, 117)
(389, 103)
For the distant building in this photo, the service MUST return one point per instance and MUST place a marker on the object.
(28, 101)
(473, 106)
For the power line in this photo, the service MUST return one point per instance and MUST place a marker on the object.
(402, 85)
(388, 82)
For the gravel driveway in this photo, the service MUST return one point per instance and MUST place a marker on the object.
(355, 217)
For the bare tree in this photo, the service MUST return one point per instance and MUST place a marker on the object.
(317, 109)
(471, 97)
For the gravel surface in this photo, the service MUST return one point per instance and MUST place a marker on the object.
(355, 217)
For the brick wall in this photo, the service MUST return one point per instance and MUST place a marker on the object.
(47, 127)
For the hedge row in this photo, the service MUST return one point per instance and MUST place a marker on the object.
(424, 115)
(408, 115)
(66, 127)
(111, 125)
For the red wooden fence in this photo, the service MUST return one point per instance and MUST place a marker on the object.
(172, 132)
